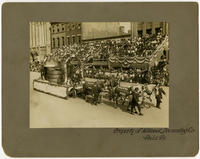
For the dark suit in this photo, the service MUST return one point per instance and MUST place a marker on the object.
(135, 101)
(159, 96)
(96, 92)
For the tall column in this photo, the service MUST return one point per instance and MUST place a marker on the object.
(36, 34)
(164, 27)
(153, 28)
(48, 37)
(167, 28)
(40, 33)
(30, 35)
(144, 28)
(38, 38)
(134, 29)
(33, 33)
(45, 33)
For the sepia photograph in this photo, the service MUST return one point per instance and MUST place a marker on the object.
(99, 74)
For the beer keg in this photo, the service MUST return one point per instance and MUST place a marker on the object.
(55, 75)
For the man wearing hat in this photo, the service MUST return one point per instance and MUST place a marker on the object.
(158, 94)
(135, 101)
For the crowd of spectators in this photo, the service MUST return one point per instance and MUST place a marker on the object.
(152, 75)
(102, 50)
(35, 66)
(87, 52)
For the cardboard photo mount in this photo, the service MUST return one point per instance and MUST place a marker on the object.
(181, 139)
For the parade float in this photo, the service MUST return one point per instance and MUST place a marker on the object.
(59, 77)
(51, 80)
(63, 71)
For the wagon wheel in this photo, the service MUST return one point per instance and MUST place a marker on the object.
(73, 92)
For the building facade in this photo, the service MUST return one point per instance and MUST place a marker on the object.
(121, 30)
(73, 33)
(40, 42)
(143, 28)
(58, 35)
(96, 30)
(65, 33)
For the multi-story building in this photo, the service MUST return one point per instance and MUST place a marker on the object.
(73, 33)
(68, 33)
(40, 42)
(65, 33)
(143, 28)
(121, 30)
(99, 30)
(58, 35)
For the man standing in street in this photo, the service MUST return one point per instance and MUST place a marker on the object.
(158, 95)
(135, 101)
(96, 92)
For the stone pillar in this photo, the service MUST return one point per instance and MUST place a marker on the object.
(38, 38)
(144, 28)
(30, 35)
(167, 28)
(45, 33)
(36, 34)
(48, 37)
(163, 27)
(42, 34)
(134, 29)
(33, 33)
(153, 28)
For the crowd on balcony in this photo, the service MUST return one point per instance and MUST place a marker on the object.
(101, 50)
(155, 74)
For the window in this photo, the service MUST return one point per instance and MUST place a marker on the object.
(157, 30)
(79, 39)
(149, 31)
(69, 27)
(52, 29)
(79, 26)
(53, 45)
(140, 32)
(58, 42)
(73, 40)
(73, 27)
(68, 40)
(63, 41)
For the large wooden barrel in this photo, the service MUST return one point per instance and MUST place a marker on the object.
(55, 75)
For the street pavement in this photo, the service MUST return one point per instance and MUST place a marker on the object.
(47, 111)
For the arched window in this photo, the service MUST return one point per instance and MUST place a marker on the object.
(63, 28)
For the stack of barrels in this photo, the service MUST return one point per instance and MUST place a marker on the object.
(55, 75)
